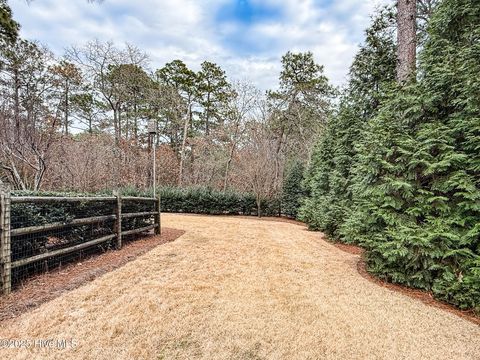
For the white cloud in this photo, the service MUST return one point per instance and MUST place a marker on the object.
(190, 30)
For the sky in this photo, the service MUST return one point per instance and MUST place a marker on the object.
(247, 38)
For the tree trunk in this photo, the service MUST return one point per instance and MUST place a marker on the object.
(406, 39)
(277, 156)
(127, 126)
(230, 158)
(227, 169)
(15, 175)
(115, 124)
(16, 99)
(184, 143)
(259, 206)
(90, 127)
(66, 108)
(207, 116)
(150, 145)
(119, 127)
(39, 174)
(135, 122)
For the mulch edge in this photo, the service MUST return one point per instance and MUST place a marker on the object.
(425, 297)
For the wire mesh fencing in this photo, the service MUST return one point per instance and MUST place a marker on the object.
(44, 233)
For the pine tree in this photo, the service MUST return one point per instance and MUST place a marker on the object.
(329, 176)
(8, 27)
(417, 184)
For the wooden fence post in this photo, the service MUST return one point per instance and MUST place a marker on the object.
(5, 252)
(118, 220)
(158, 227)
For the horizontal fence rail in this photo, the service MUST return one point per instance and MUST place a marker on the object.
(42, 199)
(60, 225)
(138, 198)
(139, 230)
(34, 239)
(140, 214)
(87, 244)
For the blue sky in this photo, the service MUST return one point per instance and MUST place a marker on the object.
(246, 37)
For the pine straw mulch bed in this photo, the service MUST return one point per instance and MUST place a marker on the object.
(424, 296)
(41, 288)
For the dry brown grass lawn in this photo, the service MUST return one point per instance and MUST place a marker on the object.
(235, 288)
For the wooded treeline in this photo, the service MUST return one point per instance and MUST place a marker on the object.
(78, 122)
(392, 163)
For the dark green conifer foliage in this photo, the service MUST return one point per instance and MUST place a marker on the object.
(8, 27)
(417, 185)
(329, 176)
(411, 196)
(292, 191)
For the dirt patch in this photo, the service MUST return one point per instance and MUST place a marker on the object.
(44, 287)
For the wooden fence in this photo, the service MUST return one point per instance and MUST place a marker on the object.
(7, 233)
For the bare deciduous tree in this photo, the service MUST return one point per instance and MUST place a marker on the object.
(257, 164)
(239, 109)
(27, 117)
(99, 61)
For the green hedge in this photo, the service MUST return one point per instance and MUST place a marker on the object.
(196, 200)
(201, 200)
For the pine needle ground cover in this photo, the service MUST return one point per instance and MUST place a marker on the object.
(236, 288)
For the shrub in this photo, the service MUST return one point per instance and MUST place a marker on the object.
(201, 200)
(415, 178)
(292, 191)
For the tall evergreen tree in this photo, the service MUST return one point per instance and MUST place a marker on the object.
(406, 39)
(292, 192)
(8, 27)
(298, 109)
(184, 83)
(417, 188)
(329, 177)
(67, 79)
(301, 104)
(213, 91)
